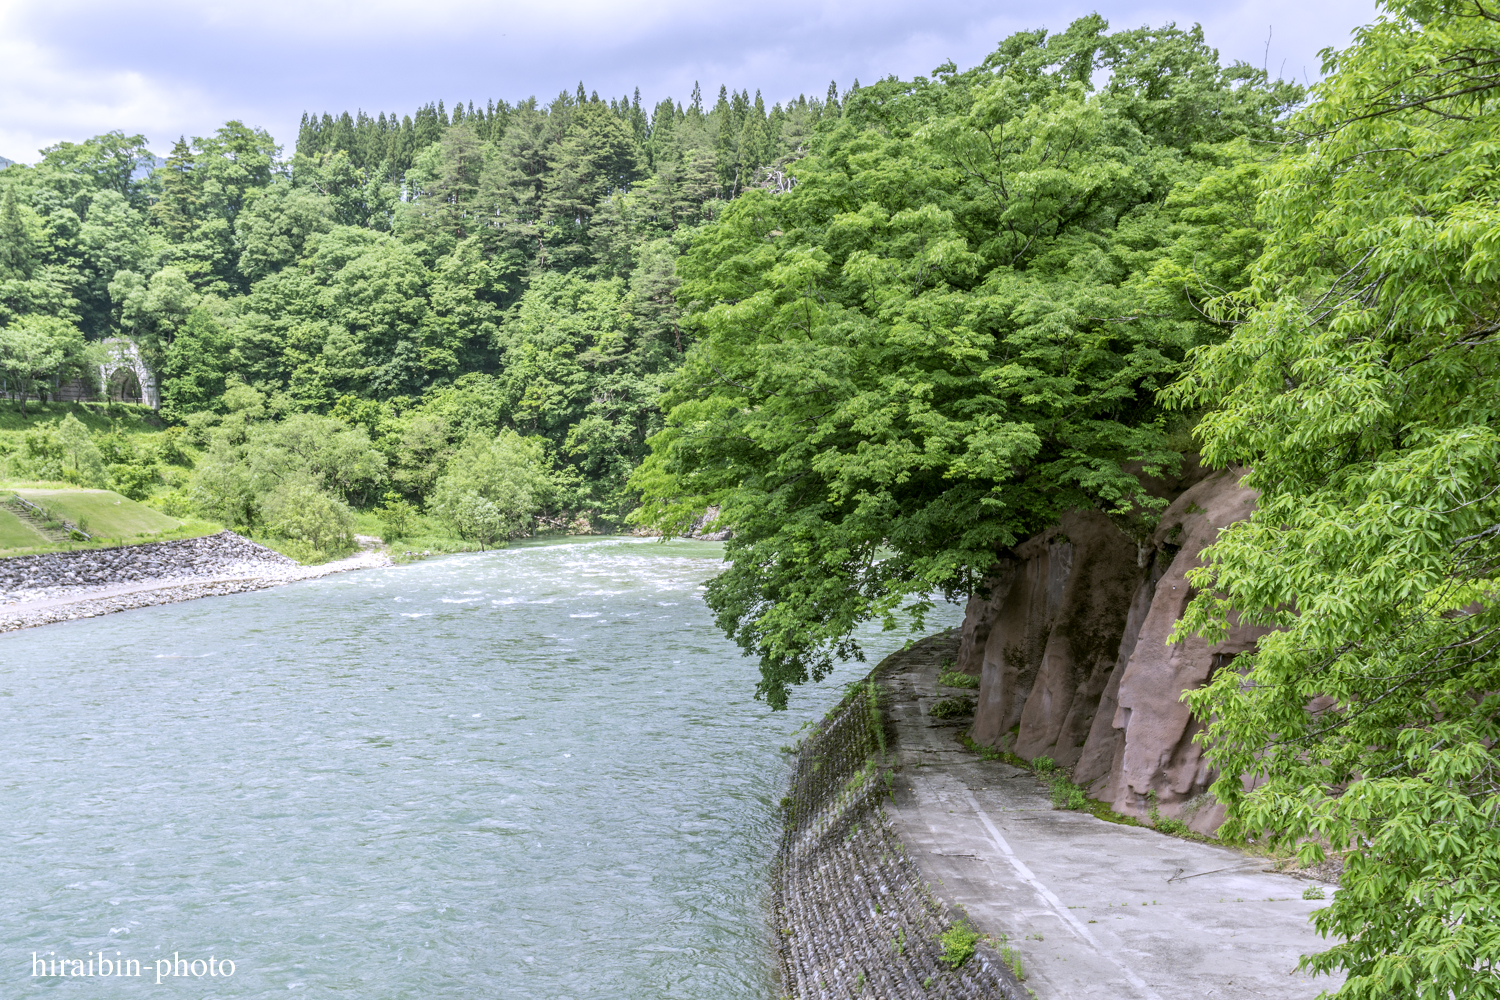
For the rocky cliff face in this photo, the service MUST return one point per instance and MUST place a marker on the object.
(1070, 645)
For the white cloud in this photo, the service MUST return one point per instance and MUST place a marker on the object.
(74, 69)
(46, 97)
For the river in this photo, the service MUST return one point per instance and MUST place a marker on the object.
(531, 773)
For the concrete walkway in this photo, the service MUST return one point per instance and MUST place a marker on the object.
(1096, 909)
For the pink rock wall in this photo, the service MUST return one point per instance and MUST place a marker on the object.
(1070, 645)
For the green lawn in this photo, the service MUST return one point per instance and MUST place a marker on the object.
(17, 534)
(103, 513)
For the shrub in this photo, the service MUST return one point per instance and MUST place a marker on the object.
(396, 517)
(170, 447)
(133, 481)
(958, 944)
(198, 427)
(474, 517)
(1165, 824)
(39, 456)
(1066, 795)
(81, 460)
(301, 512)
(954, 679)
(177, 503)
(952, 708)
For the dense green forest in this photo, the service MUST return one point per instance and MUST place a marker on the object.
(482, 302)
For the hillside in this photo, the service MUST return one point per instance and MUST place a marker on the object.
(34, 520)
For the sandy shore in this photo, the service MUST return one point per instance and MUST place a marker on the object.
(65, 586)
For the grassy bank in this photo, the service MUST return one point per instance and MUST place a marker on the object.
(129, 418)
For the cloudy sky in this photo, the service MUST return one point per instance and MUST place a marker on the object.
(70, 69)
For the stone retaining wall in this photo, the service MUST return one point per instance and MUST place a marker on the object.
(851, 915)
(65, 586)
(54, 573)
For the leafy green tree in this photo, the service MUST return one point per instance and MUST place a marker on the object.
(513, 183)
(153, 310)
(1360, 387)
(129, 470)
(131, 480)
(114, 237)
(297, 509)
(82, 462)
(28, 283)
(201, 192)
(110, 161)
(274, 231)
(17, 245)
(178, 203)
(493, 487)
(194, 371)
(36, 350)
(595, 157)
(356, 196)
(474, 517)
(445, 182)
(222, 486)
(397, 515)
(935, 342)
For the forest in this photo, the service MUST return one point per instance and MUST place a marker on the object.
(880, 336)
(479, 307)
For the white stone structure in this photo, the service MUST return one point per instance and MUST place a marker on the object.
(124, 377)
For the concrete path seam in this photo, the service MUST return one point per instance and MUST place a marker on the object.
(1073, 923)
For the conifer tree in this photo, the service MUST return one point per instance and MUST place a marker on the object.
(17, 249)
(178, 203)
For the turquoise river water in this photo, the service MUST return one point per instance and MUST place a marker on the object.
(531, 773)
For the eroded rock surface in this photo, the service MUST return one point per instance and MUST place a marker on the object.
(1070, 645)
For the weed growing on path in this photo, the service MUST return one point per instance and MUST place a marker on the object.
(1012, 959)
(1165, 824)
(952, 708)
(954, 679)
(958, 944)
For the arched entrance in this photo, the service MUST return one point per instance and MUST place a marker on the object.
(123, 375)
(124, 386)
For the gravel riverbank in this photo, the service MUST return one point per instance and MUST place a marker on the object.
(63, 586)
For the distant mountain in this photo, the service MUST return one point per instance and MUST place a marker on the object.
(143, 168)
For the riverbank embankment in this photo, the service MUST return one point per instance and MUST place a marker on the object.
(853, 914)
(64, 586)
